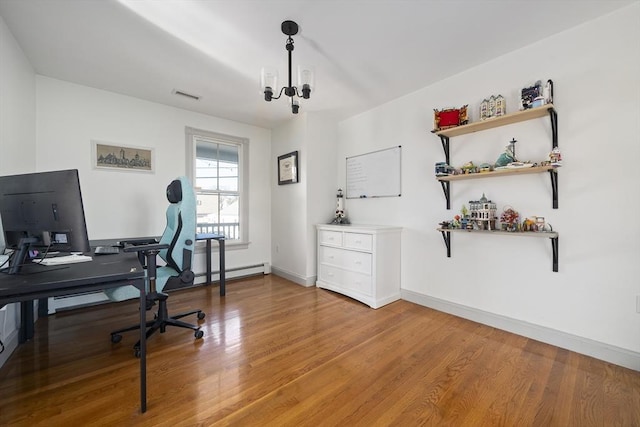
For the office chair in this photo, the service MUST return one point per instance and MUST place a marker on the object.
(176, 248)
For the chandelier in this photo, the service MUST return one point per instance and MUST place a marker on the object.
(269, 77)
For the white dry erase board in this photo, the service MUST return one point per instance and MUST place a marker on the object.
(375, 174)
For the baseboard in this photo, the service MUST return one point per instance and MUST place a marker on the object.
(608, 353)
(296, 278)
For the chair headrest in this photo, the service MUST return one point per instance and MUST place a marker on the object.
(174, 191)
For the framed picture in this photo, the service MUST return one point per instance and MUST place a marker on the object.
(288, 168)
(113, 156)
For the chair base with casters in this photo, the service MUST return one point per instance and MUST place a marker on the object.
(160, 322)
(161, 318)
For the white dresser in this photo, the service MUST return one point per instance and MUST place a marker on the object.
(360, 261)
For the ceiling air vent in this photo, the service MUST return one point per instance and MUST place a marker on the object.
(188, 95)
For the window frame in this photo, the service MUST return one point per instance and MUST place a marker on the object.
(191, 137)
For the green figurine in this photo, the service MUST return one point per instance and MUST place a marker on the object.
(509, 155)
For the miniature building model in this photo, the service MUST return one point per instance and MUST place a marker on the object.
(484, 109)
(483, 212)
(495, 106)
(501, 106)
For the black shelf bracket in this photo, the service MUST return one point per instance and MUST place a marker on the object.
(554, 187)
(445, 146)
(446, 185)
(446, 235)
(446, 188)
(554, 248)
(554, 127)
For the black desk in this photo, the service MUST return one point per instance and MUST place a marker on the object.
(38, 281)
(220, 238)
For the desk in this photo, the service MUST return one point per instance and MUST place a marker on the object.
(220, 238)
(37, 281)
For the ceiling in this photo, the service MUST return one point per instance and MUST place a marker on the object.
(364, 52)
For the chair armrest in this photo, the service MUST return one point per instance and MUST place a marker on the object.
(137, 242)
(145, 248)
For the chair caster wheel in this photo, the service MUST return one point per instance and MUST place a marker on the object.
(198, 334)
(116, 338)
(201, 315)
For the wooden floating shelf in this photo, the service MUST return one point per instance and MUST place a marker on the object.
(507, 119)
(539, 234)
(500, 172)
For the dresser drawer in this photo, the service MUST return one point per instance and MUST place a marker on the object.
(332, 256)
(330, 274)
(358, 282)
(357, 261)
(358, 241)
(328, 237)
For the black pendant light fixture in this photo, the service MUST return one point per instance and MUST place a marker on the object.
(269, 78)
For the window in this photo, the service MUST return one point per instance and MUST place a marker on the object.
(217, 166)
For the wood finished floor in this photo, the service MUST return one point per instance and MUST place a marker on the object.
(278, 354)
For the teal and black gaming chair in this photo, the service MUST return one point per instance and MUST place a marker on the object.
(176, 248)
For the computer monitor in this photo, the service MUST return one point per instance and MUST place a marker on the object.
(42, 210)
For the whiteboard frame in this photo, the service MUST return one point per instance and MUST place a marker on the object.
(374, 195)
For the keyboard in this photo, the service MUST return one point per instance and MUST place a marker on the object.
(61, 260)
(106, 250)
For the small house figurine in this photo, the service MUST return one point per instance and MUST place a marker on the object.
(484, 109)
(501, 106)
(555, 157)
(483, 212)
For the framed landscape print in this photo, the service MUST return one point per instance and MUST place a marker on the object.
(121, 157)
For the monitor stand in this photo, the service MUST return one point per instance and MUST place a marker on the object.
(21, 255)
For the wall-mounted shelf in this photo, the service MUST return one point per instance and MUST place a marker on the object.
(552, 235)
(507, 119)
(446, 188)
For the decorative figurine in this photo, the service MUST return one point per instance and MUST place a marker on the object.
(484, 109)
(483, 213)
(443, 169)
(501, 106)
(495, 106)
(547, 92)
(555, 157)
(509, 154)
(529, 94)
(450, 117)
(469, 167)
(340, 217)
(492, 106)
(509, 219)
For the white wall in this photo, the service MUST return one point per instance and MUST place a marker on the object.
(298, 207)
(322, 167)
(128, 204)
(595, 69)
(17, 143)
(17, 107)
(288, 217)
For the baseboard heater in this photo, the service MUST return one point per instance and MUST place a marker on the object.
(70, 302)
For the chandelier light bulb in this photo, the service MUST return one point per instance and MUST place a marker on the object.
(269, 82)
